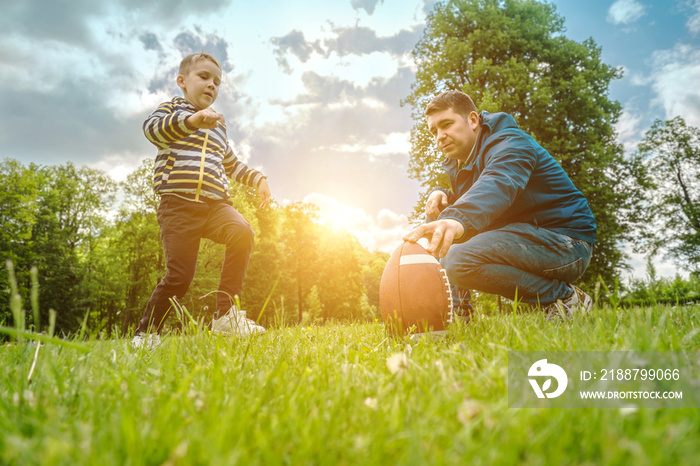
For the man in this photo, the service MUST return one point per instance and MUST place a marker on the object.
(513, 223)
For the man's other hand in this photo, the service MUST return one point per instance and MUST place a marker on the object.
(436, 203)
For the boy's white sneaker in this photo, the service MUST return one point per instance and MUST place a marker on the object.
(149, 341)
(235, 323)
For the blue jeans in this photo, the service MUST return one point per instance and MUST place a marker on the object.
(520, 260)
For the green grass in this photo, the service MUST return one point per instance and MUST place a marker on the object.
(325, 395)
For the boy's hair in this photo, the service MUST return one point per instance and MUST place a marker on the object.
(458, 101)
(188, 62)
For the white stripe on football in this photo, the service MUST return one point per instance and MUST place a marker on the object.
(418, 259)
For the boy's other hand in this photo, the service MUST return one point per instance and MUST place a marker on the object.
(436, 203)
(440, 233)
(265, 194)
(205, 119)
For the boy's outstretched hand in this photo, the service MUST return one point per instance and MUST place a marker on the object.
(440, 233)
(205, 119)
(265, 194)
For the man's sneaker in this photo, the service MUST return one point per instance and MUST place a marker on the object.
(462, 308)
(149, 341)
(578, 301)
(235, 323)
(462, 314)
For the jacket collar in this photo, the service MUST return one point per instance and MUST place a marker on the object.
(490, 123)
(182, 102)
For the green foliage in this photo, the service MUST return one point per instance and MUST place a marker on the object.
(313, 308)
(104, 264)
(654, 290)
(512, 56)
(336, 394)
(18, 211)
(670, 158)
(55, 215)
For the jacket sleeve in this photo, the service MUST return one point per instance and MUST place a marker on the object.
(509, 163)
(167, 125)
(239, 171)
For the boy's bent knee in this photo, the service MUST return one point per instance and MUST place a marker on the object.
(178, 282)
(241, 236)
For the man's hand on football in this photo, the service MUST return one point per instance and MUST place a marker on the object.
(440, 233)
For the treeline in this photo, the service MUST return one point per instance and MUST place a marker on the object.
(96, 251)
(661, 290)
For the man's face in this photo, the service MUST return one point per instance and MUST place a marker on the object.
(201, 85)
(454, 135)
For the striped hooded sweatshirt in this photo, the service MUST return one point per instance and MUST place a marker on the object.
(193, 163)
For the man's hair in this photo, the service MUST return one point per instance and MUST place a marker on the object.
(458, 101)
(188, 62)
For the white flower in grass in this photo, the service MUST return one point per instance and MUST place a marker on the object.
(371, 403)
(627, 410)
(397, 363)
(468, 410)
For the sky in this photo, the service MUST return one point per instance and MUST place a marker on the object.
(312, 90)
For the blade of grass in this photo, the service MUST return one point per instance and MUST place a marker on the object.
(34, 299)
(15, 298)
(31, 369)
(43, 338)
(274, 285)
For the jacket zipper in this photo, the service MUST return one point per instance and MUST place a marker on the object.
(201, 166)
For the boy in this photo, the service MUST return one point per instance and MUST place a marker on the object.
(191, 169)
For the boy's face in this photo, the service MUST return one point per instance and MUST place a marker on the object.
(455, 136)
(201, 85)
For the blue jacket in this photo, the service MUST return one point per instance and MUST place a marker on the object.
(512, 179)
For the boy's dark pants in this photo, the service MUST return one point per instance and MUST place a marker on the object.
(182, 224)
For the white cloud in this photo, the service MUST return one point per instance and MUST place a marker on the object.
(693, 22)
(625, 11)
(629, 128)
(674, 78)
(395, 143)
(368, 5)
(382, 233)
(118, 166)
(638, 266)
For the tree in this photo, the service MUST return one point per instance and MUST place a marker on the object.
(512, 56)
(300, 246)
(372, 271)
(266, 277)
(670, 152)
(71, 215)
(18, 210)
(340, 280)
(52, 219)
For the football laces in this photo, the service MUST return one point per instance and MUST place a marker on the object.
(448, 290)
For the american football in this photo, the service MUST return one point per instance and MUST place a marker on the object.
(414, 293)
